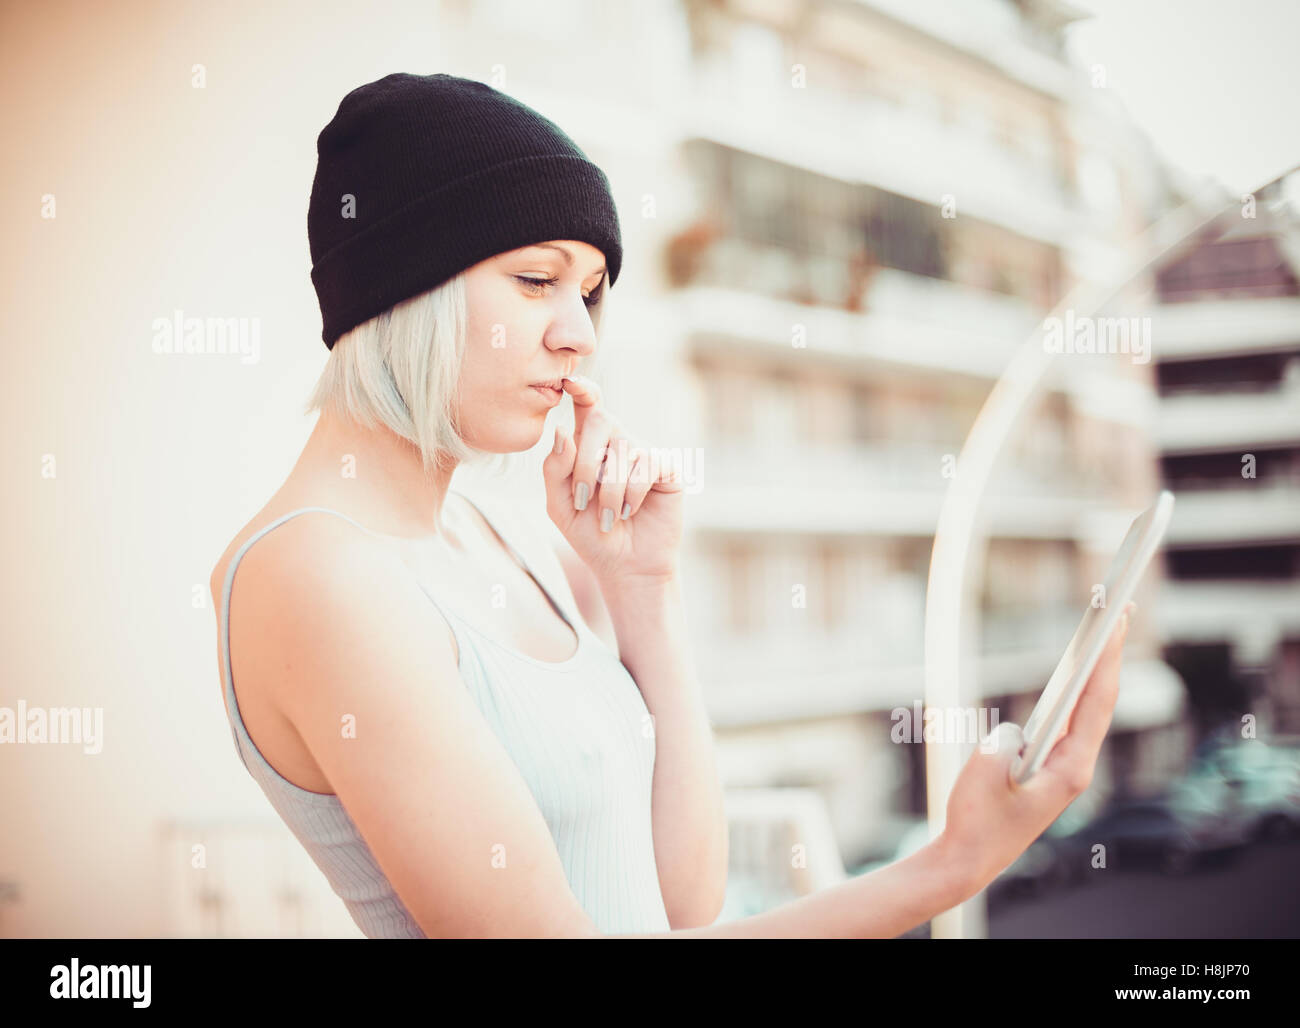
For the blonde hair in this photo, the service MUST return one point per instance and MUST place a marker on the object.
(400, 369)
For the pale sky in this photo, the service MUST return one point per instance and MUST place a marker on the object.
(1213, 83)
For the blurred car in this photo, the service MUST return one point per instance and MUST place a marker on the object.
(1249, 780)
(1174, 833)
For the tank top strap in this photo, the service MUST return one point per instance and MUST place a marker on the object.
(551, 598)
(496, 528)
(232, 703)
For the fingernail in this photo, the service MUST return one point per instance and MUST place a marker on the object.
(606, 519)
(627, 509)
(580, 501)
(559, 441)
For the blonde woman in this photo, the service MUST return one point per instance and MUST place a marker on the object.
(414, 683)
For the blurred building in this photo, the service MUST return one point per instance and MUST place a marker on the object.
(1228, 365)
(884, 200)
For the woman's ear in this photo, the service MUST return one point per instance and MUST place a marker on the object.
(599, 309)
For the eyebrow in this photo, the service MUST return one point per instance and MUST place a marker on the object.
(568, 257)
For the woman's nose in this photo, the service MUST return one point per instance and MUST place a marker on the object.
(573, 330)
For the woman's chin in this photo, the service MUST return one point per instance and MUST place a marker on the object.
(528, 436)
(521, 436)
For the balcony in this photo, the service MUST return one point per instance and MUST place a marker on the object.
(1249, 513)
(874, 662)
(912, 323)
(1228, 610)
(905, 150)
(1218, 327)
(1191, 423)
(879, 489)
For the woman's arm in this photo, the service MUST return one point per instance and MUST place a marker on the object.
(881, 905)
(690, 824)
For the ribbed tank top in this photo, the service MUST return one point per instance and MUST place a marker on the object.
(576, 730)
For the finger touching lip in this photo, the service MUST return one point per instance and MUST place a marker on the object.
(580, 388)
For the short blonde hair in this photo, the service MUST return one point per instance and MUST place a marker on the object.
(400, 369)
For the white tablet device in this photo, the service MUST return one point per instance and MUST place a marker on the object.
(1066, 684)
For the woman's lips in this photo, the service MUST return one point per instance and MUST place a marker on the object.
(552, 395)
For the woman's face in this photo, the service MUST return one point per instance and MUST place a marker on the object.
(531, 319)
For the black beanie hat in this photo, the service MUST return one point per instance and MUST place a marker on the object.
(445, 172)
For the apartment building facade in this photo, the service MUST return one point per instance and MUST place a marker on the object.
(1227, 321)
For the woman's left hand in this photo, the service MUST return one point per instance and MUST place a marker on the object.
(641, 547)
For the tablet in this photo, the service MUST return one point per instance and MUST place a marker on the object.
(1066, 684)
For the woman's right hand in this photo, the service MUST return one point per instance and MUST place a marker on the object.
(990, 819)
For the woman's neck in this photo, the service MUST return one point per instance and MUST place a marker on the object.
(378, 474)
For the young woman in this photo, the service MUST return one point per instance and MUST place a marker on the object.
(417, 692)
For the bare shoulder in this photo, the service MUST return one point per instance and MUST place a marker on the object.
(311, 571)
(314, 546)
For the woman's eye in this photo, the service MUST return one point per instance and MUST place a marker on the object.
(536, 285)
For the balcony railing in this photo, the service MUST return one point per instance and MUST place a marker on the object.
(246, 878)
(866, 139)
(1252, 512)
(781, 846)
(1187, 424)
(943, 327)
(1207, 328)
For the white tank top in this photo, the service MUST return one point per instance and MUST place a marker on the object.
(576, 729)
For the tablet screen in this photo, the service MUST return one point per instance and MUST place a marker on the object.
(1099, 621)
